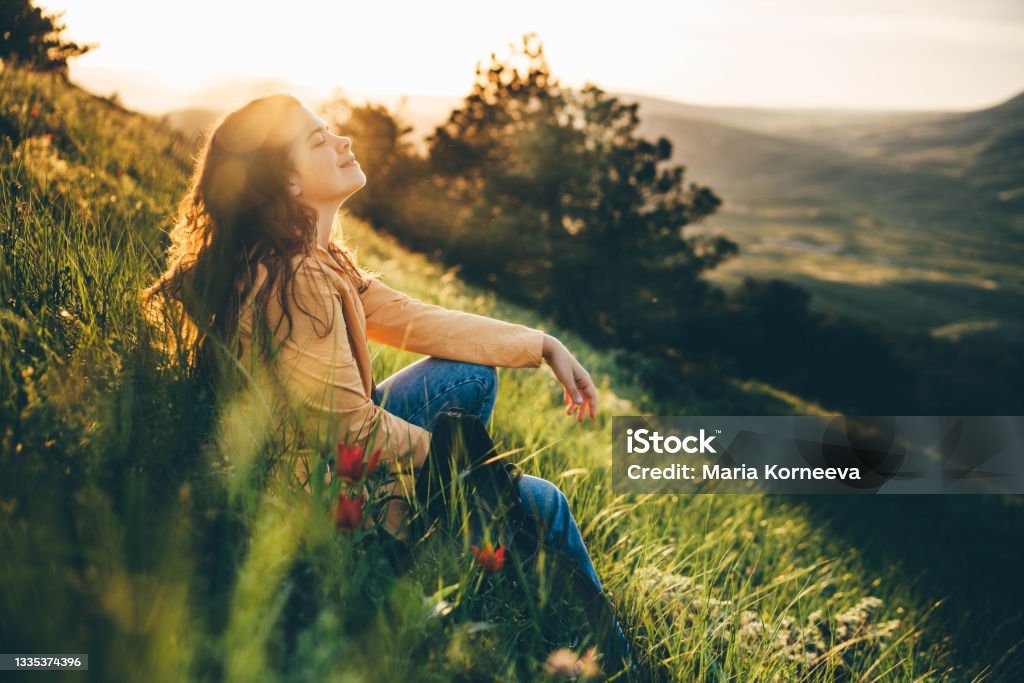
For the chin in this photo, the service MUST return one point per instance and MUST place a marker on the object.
(352, 189)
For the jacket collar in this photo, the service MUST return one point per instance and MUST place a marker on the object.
(355, 320)
(325, 257)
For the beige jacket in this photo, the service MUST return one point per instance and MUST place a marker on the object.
(330, 378)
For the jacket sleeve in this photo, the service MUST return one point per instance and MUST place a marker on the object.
(395, 319)
(321, 374)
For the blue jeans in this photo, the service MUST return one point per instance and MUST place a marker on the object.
(418, 392)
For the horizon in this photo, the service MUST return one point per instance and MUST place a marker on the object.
(864, 56)
(98, 81)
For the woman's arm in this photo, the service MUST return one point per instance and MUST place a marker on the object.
(396, 319)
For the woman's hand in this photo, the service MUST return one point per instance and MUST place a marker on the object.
(580, 392)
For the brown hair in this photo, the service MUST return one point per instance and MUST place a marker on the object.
(236, 214)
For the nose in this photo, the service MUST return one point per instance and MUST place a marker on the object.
(344, 143)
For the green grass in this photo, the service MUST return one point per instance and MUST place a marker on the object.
(129, 537)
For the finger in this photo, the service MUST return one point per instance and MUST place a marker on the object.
(587, 388)
(589, 391)
(574, 388)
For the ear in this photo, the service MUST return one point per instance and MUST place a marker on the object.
(293, 186)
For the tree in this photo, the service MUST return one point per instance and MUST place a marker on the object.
(557, 200)
(32, 39)
(382, 142)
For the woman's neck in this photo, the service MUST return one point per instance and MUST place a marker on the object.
(325, 224)
(323, 229)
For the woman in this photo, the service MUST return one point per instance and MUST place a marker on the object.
(254, 267)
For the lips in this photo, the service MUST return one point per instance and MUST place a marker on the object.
(350, 162)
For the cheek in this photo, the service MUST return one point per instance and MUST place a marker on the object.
(327, 161)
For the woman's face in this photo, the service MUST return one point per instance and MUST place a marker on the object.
(324, 169)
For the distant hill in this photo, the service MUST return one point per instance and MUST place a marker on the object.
(137, 90)
(985, 148)
(193, 121)
(913, 155)
(811, 125)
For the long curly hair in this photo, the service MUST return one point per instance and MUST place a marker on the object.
(236, 214)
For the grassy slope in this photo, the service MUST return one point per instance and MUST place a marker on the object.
(158, 556)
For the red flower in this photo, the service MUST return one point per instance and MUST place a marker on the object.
(350, 513)
(350, 463)
(120, 171)
(49, 137)
(489, 559)
(35, 113)
(374, 461)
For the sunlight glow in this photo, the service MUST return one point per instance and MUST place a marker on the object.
(858, 54)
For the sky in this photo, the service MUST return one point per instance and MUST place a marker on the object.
(855, 54)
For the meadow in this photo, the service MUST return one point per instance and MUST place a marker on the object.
(142, 524)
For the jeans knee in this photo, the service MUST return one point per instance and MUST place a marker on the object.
(489, 375)
(557, 502)
(561, 500)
